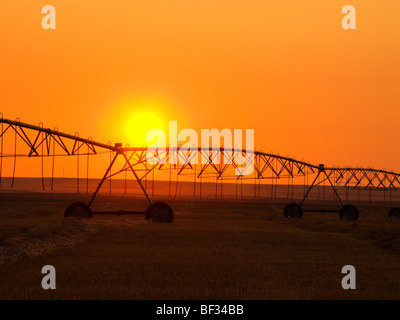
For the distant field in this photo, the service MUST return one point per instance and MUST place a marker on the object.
(213, 250)
(186, 187)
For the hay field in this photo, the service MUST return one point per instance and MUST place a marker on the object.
(213, 250)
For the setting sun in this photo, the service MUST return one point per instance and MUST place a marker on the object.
(139, 124)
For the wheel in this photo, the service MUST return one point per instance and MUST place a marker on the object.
(394, 212)
(348, 212)
(78, 209)
(293, 210)
(159, 212)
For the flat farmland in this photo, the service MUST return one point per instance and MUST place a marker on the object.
(214, 249)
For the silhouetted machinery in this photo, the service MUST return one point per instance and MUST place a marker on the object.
(42, 142)
(346, 212)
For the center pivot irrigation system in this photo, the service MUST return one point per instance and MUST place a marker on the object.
(44, 142)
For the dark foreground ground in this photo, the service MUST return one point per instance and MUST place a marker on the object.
(212, 250)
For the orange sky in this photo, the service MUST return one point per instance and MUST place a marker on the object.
(284, 68)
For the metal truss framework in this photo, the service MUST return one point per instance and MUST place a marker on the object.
(214, 163)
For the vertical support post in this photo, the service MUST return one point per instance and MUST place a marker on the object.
(276, 180)
(170, 153)
(259, 180)
(221, 166)
(255, 183)
(87, 170)
(53, 163)
(201, 182)
(152, 182)
(194, 180)
(125, 183)
(77, 164)
(42, 156)
(125, 187)
(170, 180)
(272, 183)
(145, 177)
(334, 179)
(15, 155)
(177, 176)
(109, 143)
(347, 186)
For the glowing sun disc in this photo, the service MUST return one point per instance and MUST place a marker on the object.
(139, 124)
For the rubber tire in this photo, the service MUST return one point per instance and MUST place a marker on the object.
(82, 207)
(159, 212)
(293, 210)
(394, 213)
(348, 212)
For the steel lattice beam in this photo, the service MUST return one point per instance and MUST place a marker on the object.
(266, 165)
